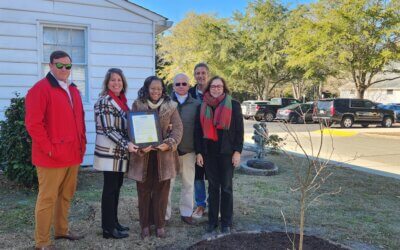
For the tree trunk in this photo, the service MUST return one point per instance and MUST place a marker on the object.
(302, 218)
(360, 92)
(320, 90)
(266, 90)
(296, 90)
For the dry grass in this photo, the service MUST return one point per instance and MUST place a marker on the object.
(365, 215)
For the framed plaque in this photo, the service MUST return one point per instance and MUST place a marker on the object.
(144, 128)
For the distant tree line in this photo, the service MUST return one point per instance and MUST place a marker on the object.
(271, 50)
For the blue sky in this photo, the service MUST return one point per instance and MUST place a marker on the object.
(175, 10)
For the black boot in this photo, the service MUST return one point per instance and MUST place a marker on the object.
(115, 234)
(211, 228)
(121, 227)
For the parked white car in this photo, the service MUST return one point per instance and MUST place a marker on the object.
(250, 107)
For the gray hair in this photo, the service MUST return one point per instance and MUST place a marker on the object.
(181, 75)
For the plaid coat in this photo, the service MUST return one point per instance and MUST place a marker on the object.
(111, 149)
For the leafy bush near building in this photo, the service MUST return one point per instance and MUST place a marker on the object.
(15, 146)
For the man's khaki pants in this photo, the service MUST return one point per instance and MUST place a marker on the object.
(56, 189)
(187, 172)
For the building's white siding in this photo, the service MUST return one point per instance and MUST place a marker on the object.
(375, 95)
(381, 95)
(116, 37)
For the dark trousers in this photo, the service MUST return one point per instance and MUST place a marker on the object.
(152, 196)
(219, 170)
(109, 200)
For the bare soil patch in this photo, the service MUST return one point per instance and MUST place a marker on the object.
(271, 240)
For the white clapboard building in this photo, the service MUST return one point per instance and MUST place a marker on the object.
(98, 34)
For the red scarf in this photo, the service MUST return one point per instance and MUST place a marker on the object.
(210, 122)
(120, 100)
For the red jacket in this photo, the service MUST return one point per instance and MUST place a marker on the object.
(57, 128)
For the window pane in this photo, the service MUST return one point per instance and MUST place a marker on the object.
(49, 36)
(71, 41)
(78, 76)
(357, 104)
(78, 38)
(81, 88)
(78, 73)
(78, 54)
(46, 69)
(368, 104)
(63, 37)
(47, 49)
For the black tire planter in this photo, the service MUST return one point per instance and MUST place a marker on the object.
(259, 167)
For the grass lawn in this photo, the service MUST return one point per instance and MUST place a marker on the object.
(364, 215)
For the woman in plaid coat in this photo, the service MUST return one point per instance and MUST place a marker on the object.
(112, 148)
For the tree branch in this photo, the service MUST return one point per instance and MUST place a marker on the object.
(386, 79)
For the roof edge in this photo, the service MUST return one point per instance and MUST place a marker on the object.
(135, 9)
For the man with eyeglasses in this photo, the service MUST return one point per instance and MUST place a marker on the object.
(187, 107)
(201, 74)
(55, 121)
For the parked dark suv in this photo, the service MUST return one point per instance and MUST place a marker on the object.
(347, 112)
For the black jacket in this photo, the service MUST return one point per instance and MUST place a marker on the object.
(232, 139)
(192, 92)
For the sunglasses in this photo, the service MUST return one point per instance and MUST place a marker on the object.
(67, 66)
(184, 84)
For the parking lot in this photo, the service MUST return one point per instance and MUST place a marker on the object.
(373, 149)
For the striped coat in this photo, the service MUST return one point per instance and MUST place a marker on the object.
(111, 149)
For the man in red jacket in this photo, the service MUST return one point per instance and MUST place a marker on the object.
(55, 121)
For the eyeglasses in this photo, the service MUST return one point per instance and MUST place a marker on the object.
(67, 66)
(184, 84)
(216, 87)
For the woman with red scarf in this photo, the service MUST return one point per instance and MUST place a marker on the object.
(112, 148)
(218, 144)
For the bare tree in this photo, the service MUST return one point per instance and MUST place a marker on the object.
(311, 173)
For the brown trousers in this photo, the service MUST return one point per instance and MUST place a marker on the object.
(56, 189)
(152, 196)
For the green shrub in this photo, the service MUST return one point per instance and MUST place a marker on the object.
(274, 142)
(15, 146)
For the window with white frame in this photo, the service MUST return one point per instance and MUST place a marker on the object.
(72, 41)
(389, 91)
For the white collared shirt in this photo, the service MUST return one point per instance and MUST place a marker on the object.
(181, 98)
(64, 86)
(199, 93)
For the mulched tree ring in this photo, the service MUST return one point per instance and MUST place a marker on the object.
(265, 240)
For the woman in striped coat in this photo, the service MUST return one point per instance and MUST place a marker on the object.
(112, 148)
